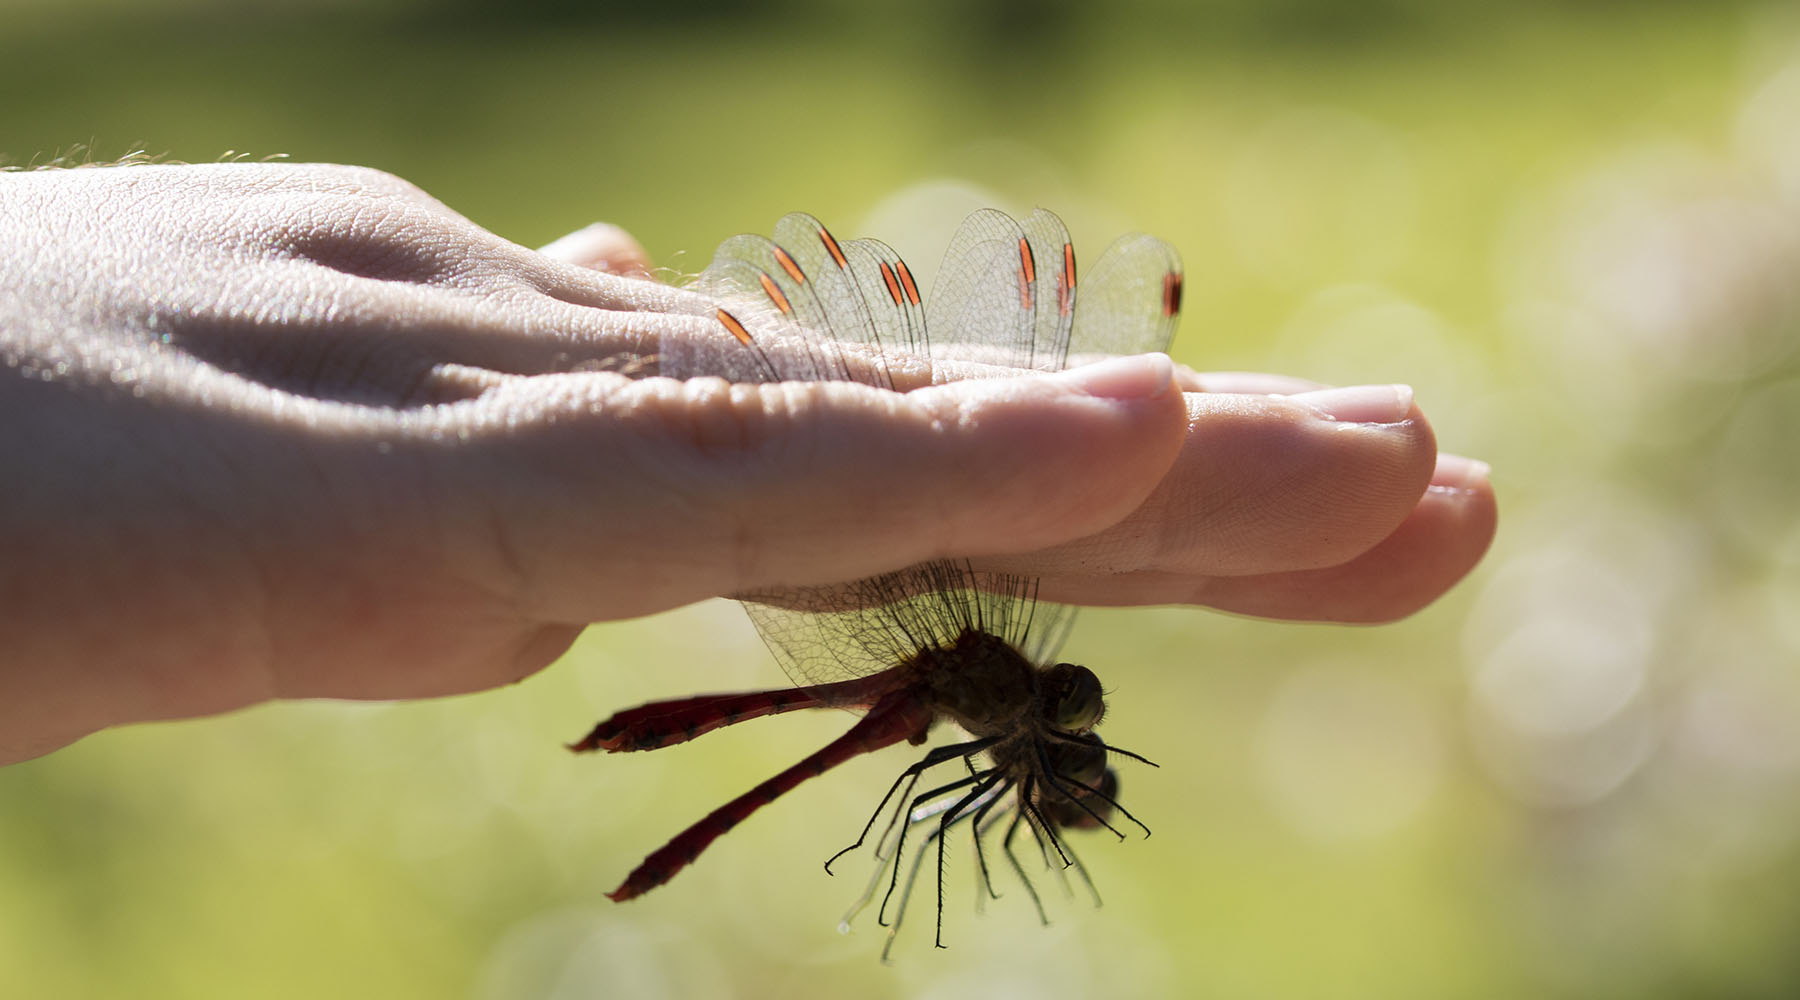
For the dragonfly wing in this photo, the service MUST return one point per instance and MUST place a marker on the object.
(1053, 291)
(831, 300)
(793, 311)
(1128, 304)
(890, 294)
(1129, 301)
(804, 306)
(820, 634)
(993, 303)
(738, 279)
(981, 306)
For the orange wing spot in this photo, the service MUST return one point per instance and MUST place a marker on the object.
(731, 323)
(1171, 293)
(906, 279)
(1024, 292)
(893, 286)
(1027, 274)
(774, 292)
(1065, 283)
(831, 247)
(788, 265)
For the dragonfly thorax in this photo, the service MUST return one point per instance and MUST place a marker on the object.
(981, 683)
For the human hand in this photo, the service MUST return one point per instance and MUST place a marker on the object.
(302, 431)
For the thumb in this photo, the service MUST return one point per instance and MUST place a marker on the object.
(601, 247)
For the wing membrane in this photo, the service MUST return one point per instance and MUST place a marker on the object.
(1130, 300)
(981, 304)
(802, 306)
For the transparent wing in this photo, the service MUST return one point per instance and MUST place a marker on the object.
(822, 634)
(791, 310)
(1052, 291)
(981, 303)
(803, 306)
(890, 294)
(1130, 300)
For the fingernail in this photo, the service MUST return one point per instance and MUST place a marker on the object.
(1141, 376)
(1360, 404)
(1459, 472)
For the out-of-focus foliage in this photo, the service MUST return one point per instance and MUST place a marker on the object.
(1574, 228)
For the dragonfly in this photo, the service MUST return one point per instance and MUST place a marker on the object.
(939, 641)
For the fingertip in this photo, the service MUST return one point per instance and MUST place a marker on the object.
(1247, 383)
(1456, 472)
(1285, 483)
(1442, 541)
(1360, 404)
(1141, 376)
(1439, 544)
(1073, 452)
(1431, 552)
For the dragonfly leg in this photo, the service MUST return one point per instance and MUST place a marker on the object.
(929, 761)
(977, 827)
(1006, 845)
(950, 816)
(900, 845)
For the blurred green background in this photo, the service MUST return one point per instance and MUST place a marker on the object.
(1573, 227)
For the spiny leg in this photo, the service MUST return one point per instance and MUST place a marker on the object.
(1043, 829)
(929, 761)
(944, 822)
(883, 854)
(912, 878)
(900, 845)
(1108, 747)
(983, 807)
(1127, 753)
(976, 830)
(1080, 869)
(923, 814)
(1006, 844)
(887, 846)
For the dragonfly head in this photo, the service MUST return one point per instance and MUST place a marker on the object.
(1072, 699)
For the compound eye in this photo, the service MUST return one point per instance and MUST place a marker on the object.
(1075, 702)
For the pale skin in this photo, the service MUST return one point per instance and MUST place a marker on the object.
(301, 431)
